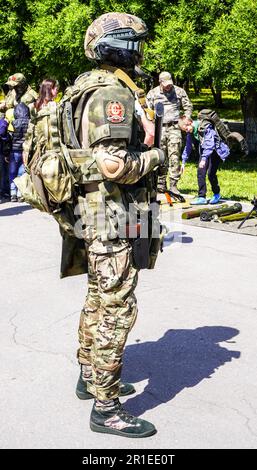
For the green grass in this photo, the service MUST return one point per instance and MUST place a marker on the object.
(231, 110)
(237, 180)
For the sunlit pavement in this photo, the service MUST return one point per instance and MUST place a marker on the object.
(192, 353)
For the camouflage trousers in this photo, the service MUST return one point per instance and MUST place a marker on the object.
(108, 315)
(171, 144)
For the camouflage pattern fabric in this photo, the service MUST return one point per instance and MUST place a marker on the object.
(175, 102)
(108, 315)
(171, 144)
(110, 309)
(28, 98)
(110, 22)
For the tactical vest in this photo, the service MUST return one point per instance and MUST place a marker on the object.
(104, 123)
(82, 164)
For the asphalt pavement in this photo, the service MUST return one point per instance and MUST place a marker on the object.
(191, 354)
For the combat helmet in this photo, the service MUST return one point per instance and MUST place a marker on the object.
(116, 38)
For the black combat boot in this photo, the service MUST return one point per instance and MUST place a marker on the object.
(175, 193)
(116, 420)
(83, 394)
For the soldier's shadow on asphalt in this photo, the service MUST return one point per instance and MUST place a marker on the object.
(180, 359)
(15, 210)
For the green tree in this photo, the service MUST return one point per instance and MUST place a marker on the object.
(14, 53)
(231, 59)
(55, 38)
(181, 36)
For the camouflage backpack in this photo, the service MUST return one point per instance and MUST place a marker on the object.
(235, 141)
(48, 180)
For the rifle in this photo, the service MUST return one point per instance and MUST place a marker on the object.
(159, 111)
(154, 228)
(145, 249)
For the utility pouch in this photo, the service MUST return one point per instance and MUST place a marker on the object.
(140, 253)
(30, 193)
(55, 175)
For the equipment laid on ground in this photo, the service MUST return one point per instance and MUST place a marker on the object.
(254, 209)
(207, 215)
(197, 212)
(235, 217)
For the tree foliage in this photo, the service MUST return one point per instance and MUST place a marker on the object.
(55, 38)
(45, 37)
(230, 55)
(14, 53)
(181, 35)
(209, 41)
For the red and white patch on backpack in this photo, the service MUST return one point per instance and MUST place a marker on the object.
(115, 111)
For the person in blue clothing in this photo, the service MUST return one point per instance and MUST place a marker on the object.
(20, 125)
(212, 150)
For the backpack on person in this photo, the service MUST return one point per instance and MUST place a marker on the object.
(235, 141)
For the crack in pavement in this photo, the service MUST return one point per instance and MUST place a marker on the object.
(31, 348)
(57, 321)
(246, 418)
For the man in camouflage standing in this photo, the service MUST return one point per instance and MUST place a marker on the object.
(110, 129)
(19, 92)
(175, 101)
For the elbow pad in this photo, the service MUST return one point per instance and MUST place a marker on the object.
(110, 166)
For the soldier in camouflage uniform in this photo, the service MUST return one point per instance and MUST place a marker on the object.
(19, 92)
(110, 128)
(174, 100)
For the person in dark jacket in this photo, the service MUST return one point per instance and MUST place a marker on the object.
(20, 125)
(4, 180)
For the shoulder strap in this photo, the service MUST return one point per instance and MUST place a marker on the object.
(123, 77)
(54, 128)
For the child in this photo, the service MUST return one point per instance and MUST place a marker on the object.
(211, 151)
(20, 125)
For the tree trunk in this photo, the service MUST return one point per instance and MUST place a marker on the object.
(196, 88)
(186, 85)
(249, 109)
(216, 93)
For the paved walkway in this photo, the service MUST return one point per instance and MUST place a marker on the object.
(192, 353)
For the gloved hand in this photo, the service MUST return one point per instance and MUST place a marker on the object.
(163, 162)
(161, 155)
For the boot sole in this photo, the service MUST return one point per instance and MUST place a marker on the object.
(89, 396)
(96, 428)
